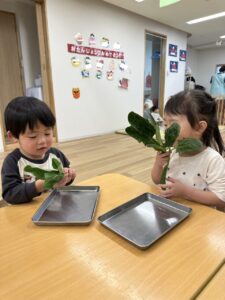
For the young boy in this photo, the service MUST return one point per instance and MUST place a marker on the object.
(30, 122)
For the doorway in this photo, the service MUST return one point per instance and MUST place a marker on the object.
(154, 79)
(11, 71)
(26, 61)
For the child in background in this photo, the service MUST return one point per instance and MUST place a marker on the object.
(30, 122)
(199, 176)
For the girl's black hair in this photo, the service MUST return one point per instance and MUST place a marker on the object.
(198, 106)
(23, 111)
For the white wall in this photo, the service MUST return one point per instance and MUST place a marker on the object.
(102, 107)
(27, 27)
(203, 64)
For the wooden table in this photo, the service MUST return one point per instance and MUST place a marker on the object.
(215, 288)
(91, 262)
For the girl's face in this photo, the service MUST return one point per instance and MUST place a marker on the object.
(35, 143)
(186, 131)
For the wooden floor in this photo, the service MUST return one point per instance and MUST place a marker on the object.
(111, 153)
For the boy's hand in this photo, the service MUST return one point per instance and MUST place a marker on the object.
(172, 189)
(69, 175)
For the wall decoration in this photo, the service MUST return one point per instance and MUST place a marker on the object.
(172, 50)
(112, 65)
(75, 61)
(79, 38)
(76, 93)
(100, 64)
(183, 55)
(87, 63)
(94, 51)
(91, 40)
(109, 75)
(123, 66)
(105, 42)
(83, 54)
(98, 74)
(123, 83)
(174, 66)
(85, 73)
(116, 46)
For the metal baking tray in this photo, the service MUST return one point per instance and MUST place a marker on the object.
(69, 205)
(145, 219)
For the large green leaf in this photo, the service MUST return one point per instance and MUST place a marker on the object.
(37, 172)
(133, 132)
(171, 134)
(188, 145)
(51, 177)
(51, 180)
(56, 164)
(143, 126)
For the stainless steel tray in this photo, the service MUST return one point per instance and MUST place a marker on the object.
(70, 205)
(145, 219)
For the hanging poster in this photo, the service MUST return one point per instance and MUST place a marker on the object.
(94, 51)
(172, 50)
(174, 66)
(183, 55)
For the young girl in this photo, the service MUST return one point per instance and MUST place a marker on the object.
(30, 122)
(198, 176)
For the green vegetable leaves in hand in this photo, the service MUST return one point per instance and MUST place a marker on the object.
(188, 145)
(148, 133)
(51, 177)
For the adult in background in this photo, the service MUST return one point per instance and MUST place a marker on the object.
(217, 81)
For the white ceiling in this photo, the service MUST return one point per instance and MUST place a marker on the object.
(203, 35)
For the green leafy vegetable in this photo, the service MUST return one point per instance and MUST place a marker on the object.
(148, 133)
(51, 177)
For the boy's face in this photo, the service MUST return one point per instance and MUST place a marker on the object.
(35, 143)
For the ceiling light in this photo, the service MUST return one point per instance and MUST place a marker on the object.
(222, 37)
(219, 15)
(139, 0)
(163, 3)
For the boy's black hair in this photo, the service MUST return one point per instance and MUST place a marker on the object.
(198, 106)
(23, 111)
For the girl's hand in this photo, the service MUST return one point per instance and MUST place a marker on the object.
(69, 176)
(172, 189)
(161, 159)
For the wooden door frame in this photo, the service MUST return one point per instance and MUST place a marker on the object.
(162, 68)
(46, 71)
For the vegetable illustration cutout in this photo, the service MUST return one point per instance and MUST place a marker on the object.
(148, 132)
(51, 177)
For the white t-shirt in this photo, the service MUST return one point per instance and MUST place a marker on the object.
(203, 171)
